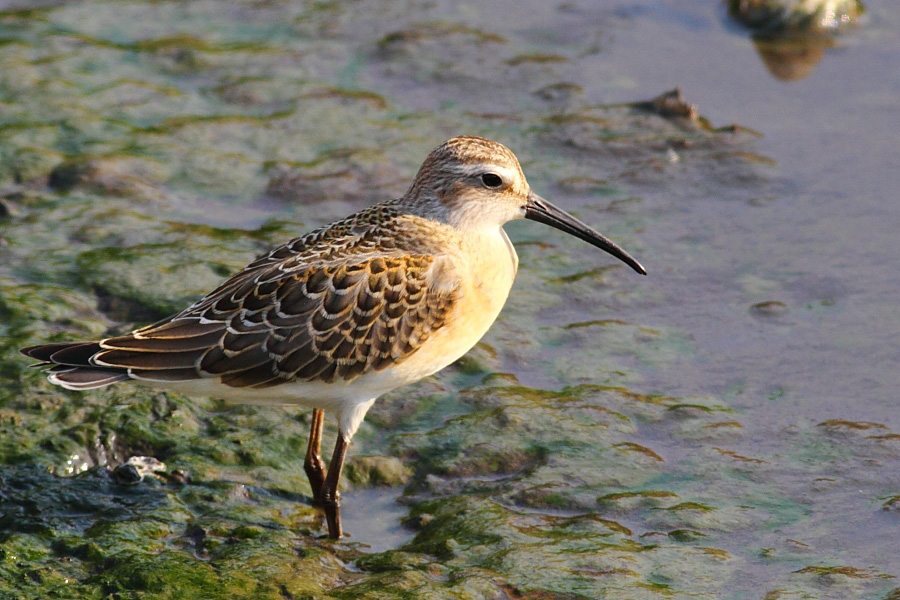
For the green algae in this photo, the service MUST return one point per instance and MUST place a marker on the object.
(851, 572)
(429, 31)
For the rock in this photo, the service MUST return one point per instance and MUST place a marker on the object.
(770, 308)
(136, 468)
(117, 176)
(376, 470)
(670, 104)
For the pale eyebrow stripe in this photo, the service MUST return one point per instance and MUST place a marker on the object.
(471, 170)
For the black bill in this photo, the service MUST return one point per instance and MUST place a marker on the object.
(538, 209)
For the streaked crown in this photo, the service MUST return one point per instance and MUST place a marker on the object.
(469, 180)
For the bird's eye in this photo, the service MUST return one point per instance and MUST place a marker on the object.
(491, 180)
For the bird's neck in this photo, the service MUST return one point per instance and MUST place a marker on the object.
(491, 252)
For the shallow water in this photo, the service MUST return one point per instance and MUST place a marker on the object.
(375, 517)
(723, 428)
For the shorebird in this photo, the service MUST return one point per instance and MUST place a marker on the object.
(338, 317)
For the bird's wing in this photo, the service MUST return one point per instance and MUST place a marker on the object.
(287, 320)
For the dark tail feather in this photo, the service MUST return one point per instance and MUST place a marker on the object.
(45, 351)
(76, 354)
(73, 369)
(76, 378)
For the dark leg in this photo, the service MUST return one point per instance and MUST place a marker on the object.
(313, 465)
(331, 498)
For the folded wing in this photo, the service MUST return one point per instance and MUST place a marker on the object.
(270, 325)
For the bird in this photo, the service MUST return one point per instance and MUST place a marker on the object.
(336, 318)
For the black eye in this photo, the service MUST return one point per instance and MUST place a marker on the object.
(491, 180)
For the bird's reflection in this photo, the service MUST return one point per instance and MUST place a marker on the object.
(792, 36)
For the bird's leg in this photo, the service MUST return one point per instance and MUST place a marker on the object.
(331, 498)
(313, 465)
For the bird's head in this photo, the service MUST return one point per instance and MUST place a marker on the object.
(473, 183)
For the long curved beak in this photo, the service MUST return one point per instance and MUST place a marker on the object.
(542, 211)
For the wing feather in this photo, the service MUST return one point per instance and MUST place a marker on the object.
(135, 359)
(326, 307)
(323, 323)
(169, 343)
(353, 319)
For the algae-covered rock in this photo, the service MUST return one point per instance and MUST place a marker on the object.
(116, 176)
(133, 470)
(376, 470)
